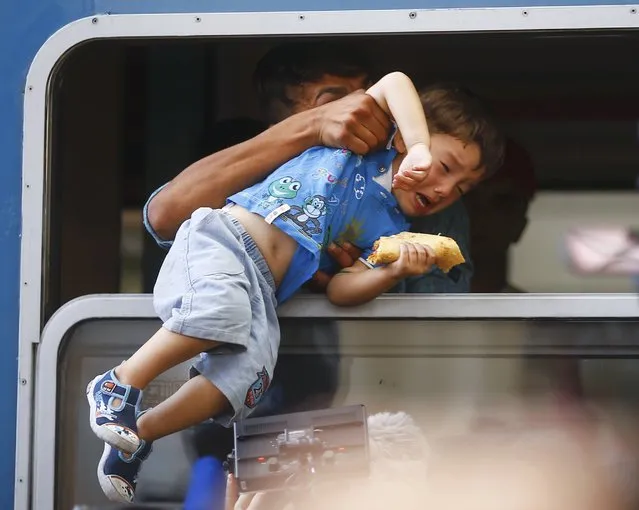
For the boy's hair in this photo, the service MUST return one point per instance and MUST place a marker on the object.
(455, 111)
(293, 64)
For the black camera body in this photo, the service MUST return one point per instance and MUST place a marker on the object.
(290, 451)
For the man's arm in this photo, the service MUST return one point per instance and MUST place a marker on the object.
(355, 122)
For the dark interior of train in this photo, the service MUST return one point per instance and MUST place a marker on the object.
(128, 115)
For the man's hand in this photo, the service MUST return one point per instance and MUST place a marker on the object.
(414, 260)
(355, 122)
(345, 255)
(413, 168)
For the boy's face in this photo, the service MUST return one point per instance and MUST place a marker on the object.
(454, 172)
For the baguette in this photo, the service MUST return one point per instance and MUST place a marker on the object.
(386, 249)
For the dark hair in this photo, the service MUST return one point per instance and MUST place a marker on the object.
(293, 64)
(458, 112)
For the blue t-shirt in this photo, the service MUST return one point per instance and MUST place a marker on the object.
(321, 196)
(451, 222)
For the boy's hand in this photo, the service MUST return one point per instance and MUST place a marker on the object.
(345, 255)
(414, 168)
(414, 260)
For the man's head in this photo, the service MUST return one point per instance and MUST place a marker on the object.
(299, 76)
(498, 208)
(466, 147)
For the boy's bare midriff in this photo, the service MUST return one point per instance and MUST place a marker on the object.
(277, 248)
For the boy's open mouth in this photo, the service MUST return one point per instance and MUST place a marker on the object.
(423, 200)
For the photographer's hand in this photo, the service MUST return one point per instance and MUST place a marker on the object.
(231, 493)
(253, 501)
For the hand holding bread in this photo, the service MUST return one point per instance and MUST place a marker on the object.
(446, 251)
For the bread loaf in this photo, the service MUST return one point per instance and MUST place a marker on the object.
(386, 249)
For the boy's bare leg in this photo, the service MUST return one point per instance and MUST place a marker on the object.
(196, 400)
(162, 351)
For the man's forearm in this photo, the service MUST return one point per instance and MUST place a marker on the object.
(209, 181)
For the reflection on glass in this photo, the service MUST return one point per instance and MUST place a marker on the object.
(496, 401)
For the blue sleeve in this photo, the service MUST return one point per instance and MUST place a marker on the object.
(162, 243)
(452, 222)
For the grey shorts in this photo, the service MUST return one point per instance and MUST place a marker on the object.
(215, 285)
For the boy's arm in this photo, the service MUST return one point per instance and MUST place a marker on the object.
(355, 122)
(359, 284)
(397, 96)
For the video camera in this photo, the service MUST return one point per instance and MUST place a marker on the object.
(295, 450)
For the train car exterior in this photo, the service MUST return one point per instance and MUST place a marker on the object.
(35, 36)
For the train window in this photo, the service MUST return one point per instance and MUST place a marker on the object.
(114, 108)
(455, 378)
(128, 115)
